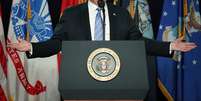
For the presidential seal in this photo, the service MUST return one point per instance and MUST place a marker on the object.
(103, 64)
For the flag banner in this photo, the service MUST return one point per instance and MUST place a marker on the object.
(179, 80)
(192, 60)
(169, 29)
(140, 7)
(145, 24)
(31, 79)
(69, 3)
(3, 65)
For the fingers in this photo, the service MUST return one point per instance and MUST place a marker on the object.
(21, 46)
(19, 39)
(183, 46)
(188, 47)
(12, 45)
(190, 44)
(15, 45)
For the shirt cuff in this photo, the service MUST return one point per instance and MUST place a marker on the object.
(31, 50)
(170, 48)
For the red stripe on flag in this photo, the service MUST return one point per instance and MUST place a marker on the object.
(59, 61)
(4, 67)
(68, 3)
(3, 60)
(2, 94)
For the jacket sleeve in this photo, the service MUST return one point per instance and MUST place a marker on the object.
(153, 47)
(53, 45)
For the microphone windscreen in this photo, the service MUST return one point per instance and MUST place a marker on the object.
(101, 3)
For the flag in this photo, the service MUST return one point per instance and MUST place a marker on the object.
(179, 80)
(3, 65)
(140, 7)
(145, 24)
(31, 79)
(192, 60)
(69, 3)
(170, 28)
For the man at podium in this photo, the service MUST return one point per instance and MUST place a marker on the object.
(97, 21)
(80, 23)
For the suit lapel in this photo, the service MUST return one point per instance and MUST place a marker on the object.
(112, 18)
(85, 21)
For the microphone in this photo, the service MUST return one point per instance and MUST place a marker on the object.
(101, 4)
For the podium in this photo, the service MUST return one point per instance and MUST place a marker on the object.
(103, 70)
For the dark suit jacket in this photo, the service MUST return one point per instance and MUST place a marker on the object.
(74, 25)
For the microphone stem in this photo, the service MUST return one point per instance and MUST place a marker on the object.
(103, 24)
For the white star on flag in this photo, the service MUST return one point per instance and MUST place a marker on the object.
(165, 13)
(161, 27)
(194, 62)
(173, 3)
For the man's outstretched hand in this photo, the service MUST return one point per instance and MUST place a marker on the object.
(21, 46)
(179, 45)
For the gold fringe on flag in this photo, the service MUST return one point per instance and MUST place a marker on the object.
(164, 91)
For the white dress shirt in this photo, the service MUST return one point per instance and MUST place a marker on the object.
(92, 17)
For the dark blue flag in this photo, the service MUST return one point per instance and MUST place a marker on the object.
(192, 60)
(169, 29)
(179, 77)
